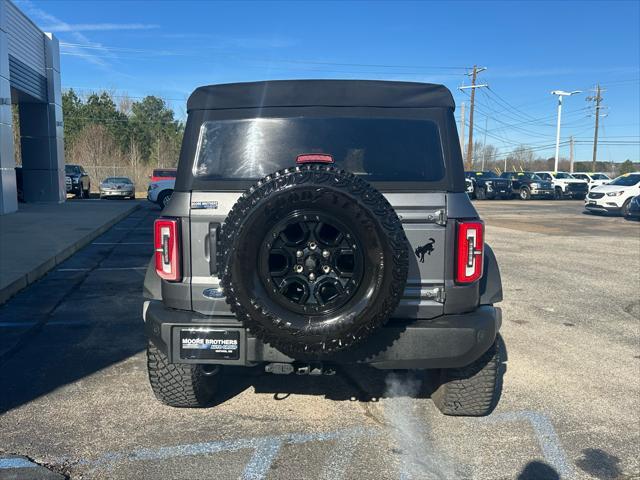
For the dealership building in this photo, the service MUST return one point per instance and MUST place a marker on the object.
(30, 78)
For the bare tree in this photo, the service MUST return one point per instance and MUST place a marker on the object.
(17, 148)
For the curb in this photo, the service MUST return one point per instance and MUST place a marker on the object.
(41, 270)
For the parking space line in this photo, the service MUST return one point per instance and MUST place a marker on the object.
(546, 435)
(9, 463)
(265, 450)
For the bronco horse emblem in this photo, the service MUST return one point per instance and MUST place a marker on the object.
(426, 248)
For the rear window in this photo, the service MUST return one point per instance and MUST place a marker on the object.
(164, 173)
(379, 149)
(117, 180)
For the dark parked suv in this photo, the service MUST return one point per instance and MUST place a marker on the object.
(528, 185)
(77, 181)
(316, 224)
(488, 185)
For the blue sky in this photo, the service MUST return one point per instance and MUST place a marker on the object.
(529, 48)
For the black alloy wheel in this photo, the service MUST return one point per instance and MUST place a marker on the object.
(311, 263)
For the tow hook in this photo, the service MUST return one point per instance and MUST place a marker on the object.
(299, 369)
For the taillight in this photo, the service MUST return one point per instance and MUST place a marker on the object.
(167, 248)
(469, 251)
(314, 158)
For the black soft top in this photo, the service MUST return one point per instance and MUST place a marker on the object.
(328, 93)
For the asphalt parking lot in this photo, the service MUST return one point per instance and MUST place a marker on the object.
(74, 395)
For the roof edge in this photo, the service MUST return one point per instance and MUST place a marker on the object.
(330, 93)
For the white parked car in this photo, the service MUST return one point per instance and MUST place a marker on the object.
(615, 196)
(565, 186)
(159, 192)
(593, 179)
(119, 187)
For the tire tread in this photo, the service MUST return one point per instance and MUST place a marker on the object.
(472, 390)
(178, 384)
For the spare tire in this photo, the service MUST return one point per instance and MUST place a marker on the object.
(312, 259)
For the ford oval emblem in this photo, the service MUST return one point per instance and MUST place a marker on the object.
(213, 293)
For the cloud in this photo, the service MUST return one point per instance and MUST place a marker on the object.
(94, 52)
(96, 27)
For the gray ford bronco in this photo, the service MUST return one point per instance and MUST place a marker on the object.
(318, 223)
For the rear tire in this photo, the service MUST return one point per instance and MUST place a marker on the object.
(472, 390)
(525, 193)
(179, 384)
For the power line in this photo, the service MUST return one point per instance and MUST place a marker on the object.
(199, 54)
(508, 105)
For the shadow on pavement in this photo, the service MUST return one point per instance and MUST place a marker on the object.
(78, 319)
(351, 382)
(599, 464)
(537, 470)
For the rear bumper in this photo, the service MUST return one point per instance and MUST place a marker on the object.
(444, 342)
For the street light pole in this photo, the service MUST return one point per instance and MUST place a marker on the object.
(560, 94)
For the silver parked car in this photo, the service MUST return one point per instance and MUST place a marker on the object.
(121, 187)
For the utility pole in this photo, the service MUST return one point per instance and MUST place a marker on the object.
(571, 154)
(560, 94)
(463, 121)
(484, 142)
(597, 99)
(473, 86)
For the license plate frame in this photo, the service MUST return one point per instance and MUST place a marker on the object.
(209, 343)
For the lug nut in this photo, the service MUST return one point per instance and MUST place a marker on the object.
(326, 268)
(313, 245)
(325, 253)
(312, 276)
(299, 254)
(298, 268)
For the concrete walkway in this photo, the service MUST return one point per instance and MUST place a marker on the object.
(40, 236)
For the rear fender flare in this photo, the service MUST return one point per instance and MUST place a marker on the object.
(152, 288)
(491, 282)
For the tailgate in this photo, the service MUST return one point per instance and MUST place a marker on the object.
(423, 216)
